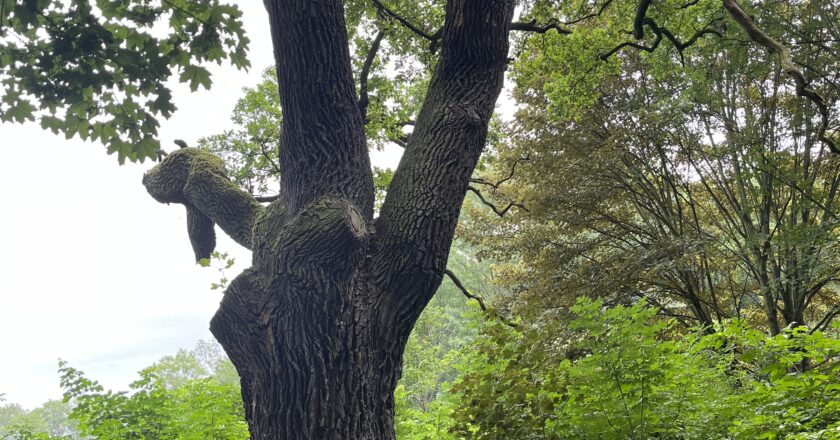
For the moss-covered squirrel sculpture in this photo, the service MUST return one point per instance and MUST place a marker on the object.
(197, 179)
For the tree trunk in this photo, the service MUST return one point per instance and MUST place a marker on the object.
(317, 326)
(311, 361)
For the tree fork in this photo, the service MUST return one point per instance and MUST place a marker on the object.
(317, 326)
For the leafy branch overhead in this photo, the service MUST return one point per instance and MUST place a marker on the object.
(99, 72)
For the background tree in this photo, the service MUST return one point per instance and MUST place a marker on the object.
(49, 421)
(692, 177)
(191, 395)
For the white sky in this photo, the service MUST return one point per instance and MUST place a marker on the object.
(92, 269)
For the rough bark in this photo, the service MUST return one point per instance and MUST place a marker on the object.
(323, 148)
(317, 326)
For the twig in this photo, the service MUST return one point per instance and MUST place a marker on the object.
(364, 99)
(499, 212)
(480, 301)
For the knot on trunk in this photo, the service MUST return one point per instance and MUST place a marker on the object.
(325, 236)
(197, 179)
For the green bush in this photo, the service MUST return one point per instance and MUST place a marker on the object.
(624, 373)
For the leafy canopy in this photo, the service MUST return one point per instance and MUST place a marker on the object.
(99, 69)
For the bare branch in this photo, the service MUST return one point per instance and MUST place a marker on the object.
(387, 12)
(650, 48)
(532, 26)
(661, 32)
(364, 99)
(496, 185)
(641, 19)
(464, 290)
(499, 212)
(590, 15)
(478, 299)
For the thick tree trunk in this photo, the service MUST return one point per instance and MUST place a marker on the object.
(317, 326)
(299, 326)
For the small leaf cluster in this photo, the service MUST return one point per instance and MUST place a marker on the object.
(223, 261)
(251, 150)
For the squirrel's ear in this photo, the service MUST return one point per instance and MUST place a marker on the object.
(202, 233)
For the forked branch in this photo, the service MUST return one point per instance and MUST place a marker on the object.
(532, 26)
(491, 205)
(495, 185)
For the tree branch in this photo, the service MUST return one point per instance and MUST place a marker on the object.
(364, 99)
(464, 290)
(266, 199)
(661, 32)
(640, 20)
(532, 26)
(418, 218)
(590, 15)
(387, 12)
(477, 298)
(499, 212)
(826, 320)
(197, 180)
(323, 149)
(496, 185)
(648, 49)
(788, 67)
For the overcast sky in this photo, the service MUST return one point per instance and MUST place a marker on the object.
(92, 270)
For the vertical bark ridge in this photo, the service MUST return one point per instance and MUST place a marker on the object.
(323, 148)
(420, 213)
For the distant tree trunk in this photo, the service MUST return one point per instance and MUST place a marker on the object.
(317, 326)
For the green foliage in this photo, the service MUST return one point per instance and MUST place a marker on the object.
(791, 381)
(47, 422)
(99, 72)
(251, 151)
(622, 372)
(181, 397)
(222, 261)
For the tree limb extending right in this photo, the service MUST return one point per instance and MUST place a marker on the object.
(803, 88)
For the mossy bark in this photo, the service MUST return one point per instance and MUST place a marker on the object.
(317, 326)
